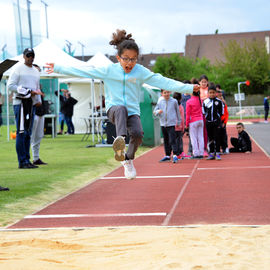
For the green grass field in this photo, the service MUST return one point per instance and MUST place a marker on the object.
(70, 166)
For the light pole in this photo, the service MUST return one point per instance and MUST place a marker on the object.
(83, 46)
(239, 96)
(69, 44)
(29, 22)
(20, 26)
(46, 15)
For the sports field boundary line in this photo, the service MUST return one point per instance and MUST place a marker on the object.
(179, 197)
(96, 215)
(147, 177)
(92, 181)
(136, 226)
(233, 168)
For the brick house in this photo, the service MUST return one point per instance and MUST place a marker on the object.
(209, 46)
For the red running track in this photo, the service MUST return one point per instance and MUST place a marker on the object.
(234, 190)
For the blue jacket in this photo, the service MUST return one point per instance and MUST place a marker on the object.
(266, 103)
(124, 88)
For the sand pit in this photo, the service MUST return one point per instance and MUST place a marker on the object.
(206, 247)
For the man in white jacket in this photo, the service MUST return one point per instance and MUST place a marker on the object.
(24, 83)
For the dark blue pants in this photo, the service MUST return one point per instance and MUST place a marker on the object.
(70, 125)
(266, 111)
(169, 140)
(23, 139)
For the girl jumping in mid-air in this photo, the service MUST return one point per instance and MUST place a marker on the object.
(122, 84)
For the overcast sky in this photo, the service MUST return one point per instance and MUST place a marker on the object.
(157, 26)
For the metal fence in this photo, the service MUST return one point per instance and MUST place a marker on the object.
(246, 111)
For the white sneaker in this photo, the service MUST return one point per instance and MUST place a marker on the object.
(130, 171)
(119, 146)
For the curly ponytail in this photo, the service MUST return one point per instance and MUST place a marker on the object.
(121, 41)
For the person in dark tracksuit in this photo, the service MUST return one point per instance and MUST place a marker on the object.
(213, 109)
(242, 143)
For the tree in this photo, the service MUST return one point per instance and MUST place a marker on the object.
(182, 68)
(248, 62)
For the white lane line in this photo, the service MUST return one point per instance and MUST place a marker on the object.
(234, 168)
(97, 215)
(147, 177)
(180, 195)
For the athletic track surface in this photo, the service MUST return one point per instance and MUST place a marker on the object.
(233, 191)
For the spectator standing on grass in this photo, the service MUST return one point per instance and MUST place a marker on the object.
(266, 108)
(68, 109)
(122, 83)
(62, 99)
(38, 128)
(24, 82)
(243, 142)
(213, 110)
(167, 109)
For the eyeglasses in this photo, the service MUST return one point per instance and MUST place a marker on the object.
(127, 60)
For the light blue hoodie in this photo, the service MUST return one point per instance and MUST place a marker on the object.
(124, 88)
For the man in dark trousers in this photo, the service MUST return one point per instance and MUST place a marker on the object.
(68, 106)
(24, 83)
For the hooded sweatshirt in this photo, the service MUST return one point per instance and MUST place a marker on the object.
(170, 115)
(125, 88)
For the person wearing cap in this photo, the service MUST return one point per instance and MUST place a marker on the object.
(24, 83)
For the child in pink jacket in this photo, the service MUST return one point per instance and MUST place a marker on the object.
(194, 123)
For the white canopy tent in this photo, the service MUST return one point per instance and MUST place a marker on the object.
(99, 60)
(45, 52)
(84, 109)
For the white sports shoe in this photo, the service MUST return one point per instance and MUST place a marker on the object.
(130, 171)
(119, 146)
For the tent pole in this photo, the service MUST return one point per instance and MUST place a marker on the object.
(92, 111)
(7, 104)
(101, 109)
(58, 106)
